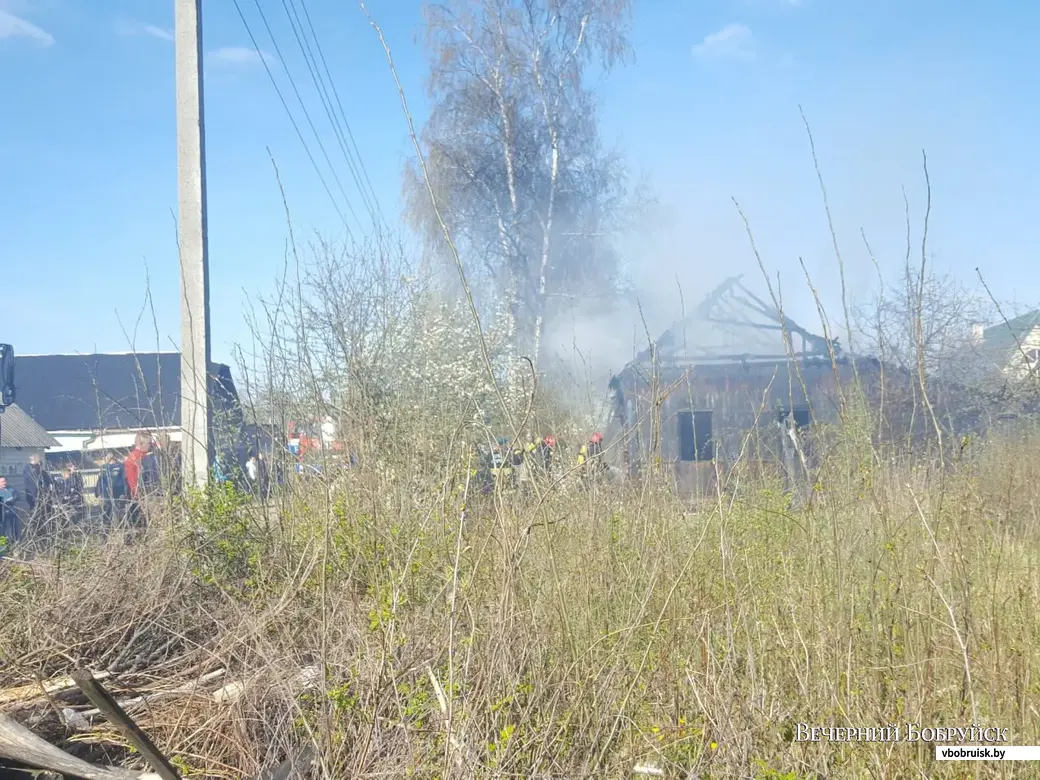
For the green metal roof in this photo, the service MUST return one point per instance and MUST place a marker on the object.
(1004, 335)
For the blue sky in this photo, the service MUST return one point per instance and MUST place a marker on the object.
(709, 111)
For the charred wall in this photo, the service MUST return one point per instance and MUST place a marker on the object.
(707, 411)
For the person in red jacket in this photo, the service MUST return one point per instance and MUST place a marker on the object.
(132, 467)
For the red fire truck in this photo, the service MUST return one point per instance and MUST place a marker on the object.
(311, 441)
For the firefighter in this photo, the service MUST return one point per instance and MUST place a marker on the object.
(502, 464)
(535, 455)
(529, 464)
(533, 445)
(544, 452)
(596, 446)
(517, 461)
(590, 456)
(485, 479)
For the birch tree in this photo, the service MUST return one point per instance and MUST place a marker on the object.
(520, 176)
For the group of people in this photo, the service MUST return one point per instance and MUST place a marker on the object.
(46, 497)
(151, 468)
(501, 465)
(511, 467)
(62, 494)
(591, 454)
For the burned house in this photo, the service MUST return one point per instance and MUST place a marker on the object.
(735, 366)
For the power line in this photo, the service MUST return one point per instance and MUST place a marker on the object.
(309, 59)
(342, 113)
(306, 113)
(292, 120)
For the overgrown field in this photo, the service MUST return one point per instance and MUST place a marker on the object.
(576, 635)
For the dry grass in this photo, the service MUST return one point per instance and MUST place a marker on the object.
(406, 627)
(622, 629)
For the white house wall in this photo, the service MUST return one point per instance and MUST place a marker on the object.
(70, 442)
(123, 441)
(1017, 364)
(83, 441)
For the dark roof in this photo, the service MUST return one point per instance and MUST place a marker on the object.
(1006, 334)
(17, 429)
(108, 391)
(732, 324)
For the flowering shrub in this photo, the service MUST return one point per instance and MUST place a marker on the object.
(439, 366)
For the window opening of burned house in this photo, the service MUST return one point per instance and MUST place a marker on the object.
(695, 436)
(802, 418)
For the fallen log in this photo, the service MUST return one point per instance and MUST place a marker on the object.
(19, 743)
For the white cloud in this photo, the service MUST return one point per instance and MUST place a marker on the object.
(734, 41)
(125, 27)
(12, 26)
(240, 56)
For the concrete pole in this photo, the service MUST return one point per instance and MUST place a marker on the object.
(196, 446)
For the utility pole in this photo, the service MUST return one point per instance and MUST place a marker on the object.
(196, 447)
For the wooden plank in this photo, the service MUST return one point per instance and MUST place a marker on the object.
(38, 691)
(19, 743)
(138, 701)
(101, 699)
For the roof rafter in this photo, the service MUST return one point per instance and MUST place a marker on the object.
(745, 319)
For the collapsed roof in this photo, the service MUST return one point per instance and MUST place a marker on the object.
(732, 324)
